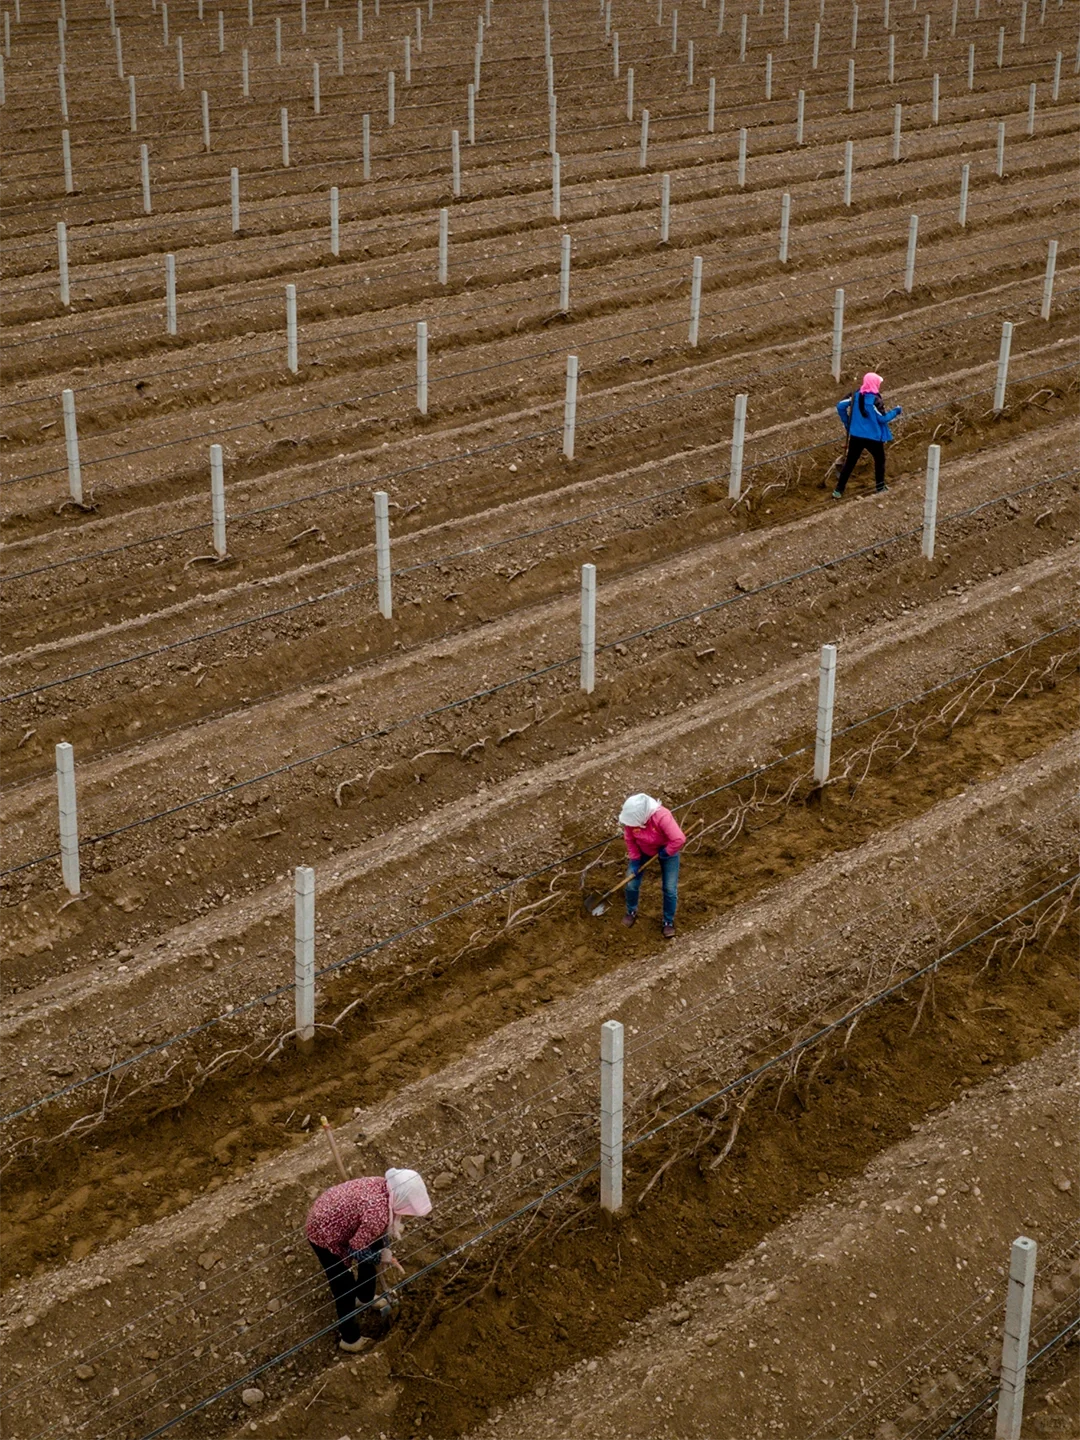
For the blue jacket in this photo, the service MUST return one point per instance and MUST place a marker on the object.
(865, 418)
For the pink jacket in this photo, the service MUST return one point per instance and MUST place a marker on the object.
(660, 830)
(350, 1216)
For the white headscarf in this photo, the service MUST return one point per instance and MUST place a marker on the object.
(408, 1196)
(637, 809)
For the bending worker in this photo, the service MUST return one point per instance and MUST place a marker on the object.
(650, 829)
(352, 1224)
(867, 422)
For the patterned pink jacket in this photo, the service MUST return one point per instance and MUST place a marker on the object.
(350, 1216)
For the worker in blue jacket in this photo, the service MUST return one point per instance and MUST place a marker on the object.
(867, 422)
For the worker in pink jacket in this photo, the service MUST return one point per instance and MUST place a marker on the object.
(649, 829)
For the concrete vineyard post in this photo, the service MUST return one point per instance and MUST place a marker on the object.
(340, 51)
(564, 275)
(952, 19)
(643, 158)
(304, 956)
(62, 82)
(1048, 281)
(62, 263)
(164, 24)
(284, 137)
(316, 93)
(1031, 109)
(408, 59)
(1001, 380)
(885, 15)
(935, 99)
(359, 19)
(892, 60)
(303, 16)
(1055, 90)
(851, 84)
(630, 93)
(837, 334)
(570, 407)
(390, 99)
(611, 1115)
(787, 19)
(854, 26)
(712, 105)
(65, 148)
(1001, 46)
(68, 817)
(965, 181)
(291, 338)
(1014, 1349)
(742, 38)
(926, 35)
(204, 102)
(251, 14)
(738, 440)
(144, 174)
(971, 67)
(898, 115)
(826, 697)
(382, 554)
(817, 45)
(170, 294)
(1023, 21)
(999, 168)
(71, 442)
(912, 243)
(59, 33)
(119, 44)
(365, 132)
(221, 32)
(470, 113)
(217, 500)
(588, 628)
(615, 56)
(455, 163)
(690, 63)
(552, 124)
(420, 28)
(800, 116)
(929, 524)
(180, 62)
(785, 225)
(444, 245)
(768, 76)
(478, 59)
(741, 173)
(695, 300)
(674, 32)
(234, 200)
(133, 113)
(335, 222)
(849, 156)
(277, 39)
(665, 208)
(421, 367)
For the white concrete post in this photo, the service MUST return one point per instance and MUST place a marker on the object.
(849, 156)
(999, 168)
(817, 45)
(738, 439)
(720, 18)
(785, 224)
(935, 99)
(695, 300)
(180, 62)
(164, 24)
(929, 524)
(340, 51)
(144, 173)
(690, 63)
(335, 218)
(965, 183)
(826, 696)
(665, 208)
(952, 21)
(1014, 1349)
(643, 158)
(712, 105)
(553, 106)
(630, 93)
(65, 147)
(971, 67)
(1001, 46)
(277, 38)
(391, 116)
(564, 275)
(408, 59)
(382, 554)
(570, 407)
(71, 441)
(444, 245)
(478, 60)
(303, 16)
(1048, 281)
(1031, 109)
(787, 19)
(851, 84)
(615, 55)
(62, 82)
(1023, 21)
(1055, 89)
(742, 36)
(588, 628)
(674, 32)
(741, 170)
(365, 143)
(420, 29)
(421, 366)
(251, 14)
(204, 101)
(1001, 380)
(837, 334)
(284, 137)
(133, 113)
(359, 19)
(926, 35)
(59, 33)
(221, 32)
(316, 92)
(217, 500)
(611, 1115)
(885, 15)
(455, 163)
(291, 339)
(909, 263)
(470, 113)
(62, 261)
(69, 816)
(234, 200)
(768, 76)
(898, 112)
(304, 956)
(892, 60)
(800, 116)
(854, 26)
(170, 294)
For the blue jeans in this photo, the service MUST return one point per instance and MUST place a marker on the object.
(669, 878)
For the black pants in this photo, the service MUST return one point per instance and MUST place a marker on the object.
(855, 447)
(348, 1289)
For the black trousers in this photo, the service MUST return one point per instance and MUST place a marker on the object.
(348, 1289)
(856, 446)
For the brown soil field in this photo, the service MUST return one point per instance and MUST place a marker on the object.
(869, 1011)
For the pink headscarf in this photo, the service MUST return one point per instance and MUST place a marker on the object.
(871, 384)
(407, 1195)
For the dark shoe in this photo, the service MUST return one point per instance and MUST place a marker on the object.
(668, 932)
(837, 494)
(629, 918)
